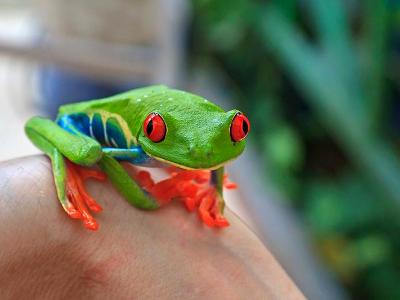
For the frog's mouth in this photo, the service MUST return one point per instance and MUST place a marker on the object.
(166, 162)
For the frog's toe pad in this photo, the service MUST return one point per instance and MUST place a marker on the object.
(73, 213)
(209, 209)
(79, 199)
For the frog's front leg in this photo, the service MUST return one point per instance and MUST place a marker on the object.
(212, 204)
(198, 189)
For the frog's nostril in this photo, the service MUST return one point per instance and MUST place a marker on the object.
(191, 149)
(202, 154)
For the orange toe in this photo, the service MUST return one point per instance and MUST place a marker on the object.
(80, 200)
(190, 203)
(91, 224)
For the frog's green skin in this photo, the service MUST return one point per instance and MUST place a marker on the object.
(102, 131)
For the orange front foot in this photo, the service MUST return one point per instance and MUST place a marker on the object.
(79, 199)
(210, 209)
(193, 187)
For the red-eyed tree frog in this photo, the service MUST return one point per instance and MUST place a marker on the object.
(153, 126)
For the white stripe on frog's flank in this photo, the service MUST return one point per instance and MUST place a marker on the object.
(104, 121)
(114, 143)
(90, 125)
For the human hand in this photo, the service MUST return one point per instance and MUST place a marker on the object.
(136, 254)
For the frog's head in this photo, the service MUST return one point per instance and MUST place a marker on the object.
(194, 138)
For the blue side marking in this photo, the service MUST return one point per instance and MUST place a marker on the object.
(76, 122)
(64, 123)
(134, 155)
(115, 133)
(98, 128)
(82, 123)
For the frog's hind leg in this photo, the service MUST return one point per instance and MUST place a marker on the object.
(68, 176)
(128, 187)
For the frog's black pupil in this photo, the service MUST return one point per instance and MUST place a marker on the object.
(150, 127)
(245, 127)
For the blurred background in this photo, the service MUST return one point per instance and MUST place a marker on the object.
(319, 80)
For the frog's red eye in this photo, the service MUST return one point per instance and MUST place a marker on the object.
(154, 127)
(240, 127)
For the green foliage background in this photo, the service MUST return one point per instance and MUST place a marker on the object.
(320, 81)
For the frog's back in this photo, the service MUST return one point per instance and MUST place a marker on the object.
(115, 103)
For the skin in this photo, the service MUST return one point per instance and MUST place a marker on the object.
(45, 256)
(198, 136)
